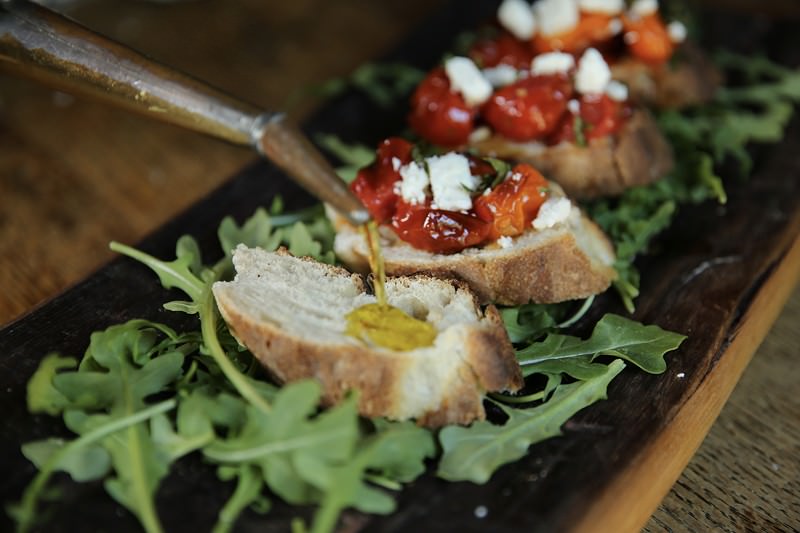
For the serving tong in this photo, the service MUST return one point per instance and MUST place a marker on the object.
(44, 45)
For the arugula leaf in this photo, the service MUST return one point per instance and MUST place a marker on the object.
(43, 397)
(354, 156)
(613, 335)
(474, 453)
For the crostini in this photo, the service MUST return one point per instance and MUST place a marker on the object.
(291, 314)
(510, 234)
(568, 119)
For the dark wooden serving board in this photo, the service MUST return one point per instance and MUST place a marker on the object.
(719, 275)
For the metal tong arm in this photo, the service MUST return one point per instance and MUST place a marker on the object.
(51, 48)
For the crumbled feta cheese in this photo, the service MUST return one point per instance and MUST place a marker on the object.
(517, 17)
(501, 75)
(593, 73)
(451, 182)
(488, 191)
(467, 79)
(505, 242)
(644, 8)
(574, 106)
(615, 26)
(396, 164)
(414, 185)
(617, 91)
(608, 7)
(677, 31)
(552, 63)
(556, 16)
(552, 212)
(631, 38)
(479, 134)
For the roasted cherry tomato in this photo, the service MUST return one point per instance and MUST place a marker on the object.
(648, 38)
(437, 230)
(529, 108)
(374, 185)
(511, 206)
(505, 49)
(440, 115)
(593, 30)
(600, 116)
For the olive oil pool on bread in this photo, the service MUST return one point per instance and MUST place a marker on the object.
(380, 323)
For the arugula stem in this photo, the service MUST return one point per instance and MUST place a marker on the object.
(208, 327)
(27, 510)
(587, 303)
(507, 399)
(383, 481)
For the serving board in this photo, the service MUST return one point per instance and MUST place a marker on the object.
(720, 275)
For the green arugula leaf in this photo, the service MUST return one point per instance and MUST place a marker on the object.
(474, 453)
(43, 397)
(88, 463)
(613, 335)
(354, 156)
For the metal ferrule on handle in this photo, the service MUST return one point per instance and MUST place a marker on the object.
(38, 43)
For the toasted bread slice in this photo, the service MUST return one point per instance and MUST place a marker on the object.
(690, 79)
(637, 155)
(571, 260)
(290, 312)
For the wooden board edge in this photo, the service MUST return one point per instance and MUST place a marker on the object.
(632, 497)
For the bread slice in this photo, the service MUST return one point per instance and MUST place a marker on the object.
(637, 155)
(571, 260)
(290, 312)
(690, 79)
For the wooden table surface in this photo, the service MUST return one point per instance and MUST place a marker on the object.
(75, 174)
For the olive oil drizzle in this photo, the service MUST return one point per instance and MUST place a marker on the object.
(380, 323)
(376, 266)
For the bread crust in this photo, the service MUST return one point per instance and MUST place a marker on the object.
(691, 79)
(547, 266)
(486, 363)
(637, 155)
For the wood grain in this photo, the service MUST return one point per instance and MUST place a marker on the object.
(75, 174)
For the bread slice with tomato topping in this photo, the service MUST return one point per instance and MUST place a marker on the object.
(291, 314)
(506, 231)
(568, 119)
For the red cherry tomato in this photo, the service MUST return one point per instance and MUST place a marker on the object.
(440, 115)
(648, 38)
(593, 30)
(437, 230)
(529, 108)
(374, 185)
(511, 206)
(504, 49)
(600, 116)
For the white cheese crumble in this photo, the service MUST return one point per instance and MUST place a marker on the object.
(552, 63)
(617, 91)
(556, 16)
(396, 164)
(467, 79)
(574, 106)
(451, 182)
(517, 17)
(609, 7)
(501, 75)
(615, 26)
(677, 31)
(414, 185)
(552, 212)
(644, 8)
(505, 242)
(481, 133)
(593, 73)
